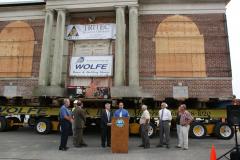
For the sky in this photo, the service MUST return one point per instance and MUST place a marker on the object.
(233, 21)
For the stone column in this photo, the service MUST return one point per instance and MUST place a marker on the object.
(119, 75)
(133, 47)
(58, 48)
(46, 49)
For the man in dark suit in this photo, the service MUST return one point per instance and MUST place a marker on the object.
(106, 125)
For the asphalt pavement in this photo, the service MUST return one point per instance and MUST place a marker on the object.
(25, 144)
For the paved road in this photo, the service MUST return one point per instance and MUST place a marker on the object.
(25, 144)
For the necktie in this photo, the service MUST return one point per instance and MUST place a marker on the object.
(120, 114)
(162, 114)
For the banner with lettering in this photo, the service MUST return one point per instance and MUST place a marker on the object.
(91, 66)
(91, 31)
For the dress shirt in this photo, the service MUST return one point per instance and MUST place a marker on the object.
(64, 112)
(167, 116)
(186, 118)
(121, 113)
(144, 117)
(108, 115)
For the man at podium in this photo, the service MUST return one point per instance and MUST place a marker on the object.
(121, 112)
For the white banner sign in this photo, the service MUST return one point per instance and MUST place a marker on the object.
(91, 31)
(91, 66)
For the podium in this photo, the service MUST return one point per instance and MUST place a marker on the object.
(119, 135)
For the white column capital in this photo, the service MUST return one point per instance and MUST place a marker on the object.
(120, 7)
(61, 10)
(135, 6)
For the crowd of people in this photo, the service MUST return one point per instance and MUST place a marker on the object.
(77, 120)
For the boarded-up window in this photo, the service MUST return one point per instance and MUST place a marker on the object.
(16, 50)
(179, 48)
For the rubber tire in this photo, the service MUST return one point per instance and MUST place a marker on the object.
(3, 125)
(15, 120)
(154, 130)
(191, 133)
(47, 123)
(217, 131)
(153, 133)
(31, 122)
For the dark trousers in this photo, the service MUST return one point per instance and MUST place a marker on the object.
(65, 128)
(144, 135)
(106, 135)
(78, 137)
(164, 132)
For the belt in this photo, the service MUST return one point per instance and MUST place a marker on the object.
(165, 120)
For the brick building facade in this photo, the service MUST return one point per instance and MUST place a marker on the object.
(199, 26)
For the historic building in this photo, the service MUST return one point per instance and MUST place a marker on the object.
(154, 48)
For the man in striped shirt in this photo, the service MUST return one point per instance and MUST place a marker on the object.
(185, 120)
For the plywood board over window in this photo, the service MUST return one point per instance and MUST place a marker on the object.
(179, 48)
(16, 50)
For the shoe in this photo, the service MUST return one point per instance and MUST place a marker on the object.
(167, 146)
(146, 147)
(103, 146)
(159, 146)
(178, 147)
(141, 145)
(109, 145)
(185, 148)
(63, 148)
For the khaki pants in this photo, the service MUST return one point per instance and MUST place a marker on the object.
(183, 137)
(78, 136)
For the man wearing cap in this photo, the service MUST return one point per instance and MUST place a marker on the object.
(121, 112)
(79, 115)
(144, 125)
(165, 118)
(106, 126)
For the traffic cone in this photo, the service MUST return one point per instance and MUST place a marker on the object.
(213, 153)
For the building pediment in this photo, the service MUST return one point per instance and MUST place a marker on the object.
(88, 5)
(182, 1)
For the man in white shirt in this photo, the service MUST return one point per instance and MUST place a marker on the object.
(165, 118)
(144, 125)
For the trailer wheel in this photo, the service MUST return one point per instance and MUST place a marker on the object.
(31, 122)
(197, 130)
(3, 124)
(43, 126)
(151, 130)
(15, 120)
(224, 131)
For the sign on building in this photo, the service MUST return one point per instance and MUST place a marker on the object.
(91, 31)
(91, 66)
(180, 92)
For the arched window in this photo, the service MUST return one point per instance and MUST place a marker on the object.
(179, 48)
(16, 50)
